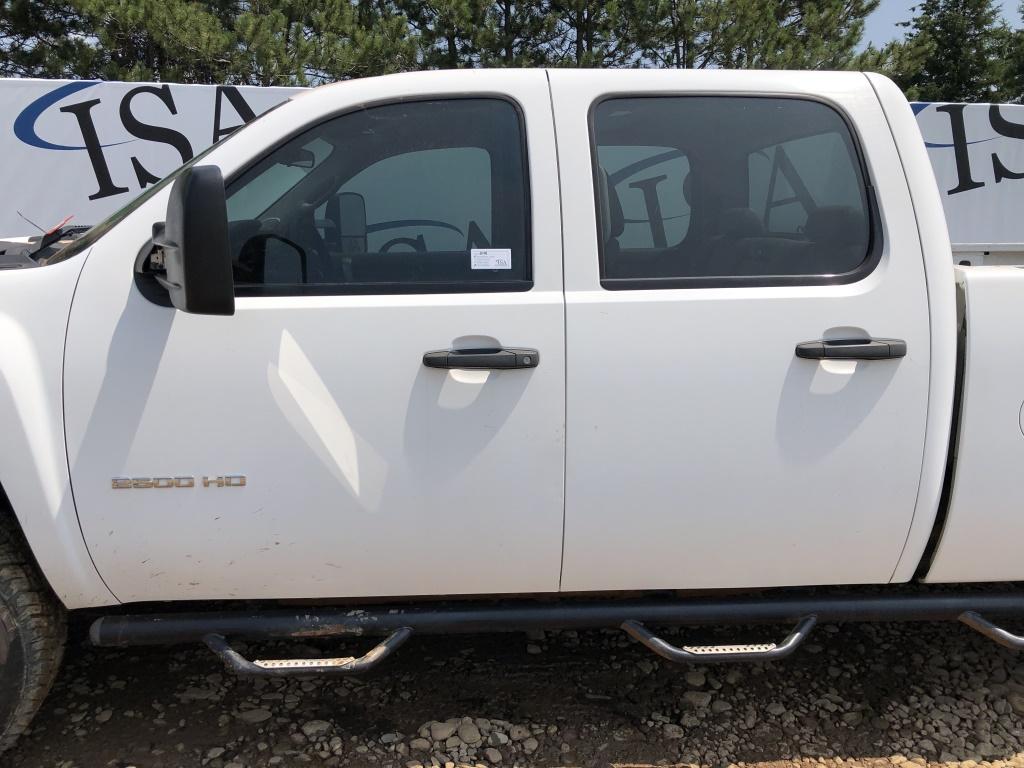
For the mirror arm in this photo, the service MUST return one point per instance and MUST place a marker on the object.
(150, 272)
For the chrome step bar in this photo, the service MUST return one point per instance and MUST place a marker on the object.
(708, 654)
(978, 623)
(633, 616)
(347, 665)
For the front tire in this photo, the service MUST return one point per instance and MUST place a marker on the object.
(32, 633)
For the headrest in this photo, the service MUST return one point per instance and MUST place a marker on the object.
(838, 225)
(739, 222)
(613, 221)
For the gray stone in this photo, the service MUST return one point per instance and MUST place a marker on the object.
(420, 745)
(530, 745)
(469, 733)
(316, 728)
(492, 755)
(698, 699)
(453, 742)
(1016, 702)
(673, 731)
(254, 716)
(197, 694)
(441, 731)
(696, 679)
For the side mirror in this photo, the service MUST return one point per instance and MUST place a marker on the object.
(347, 211)
(190, 254)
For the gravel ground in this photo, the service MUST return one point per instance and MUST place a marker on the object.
(867, 695)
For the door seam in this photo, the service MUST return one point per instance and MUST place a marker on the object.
(565, 330)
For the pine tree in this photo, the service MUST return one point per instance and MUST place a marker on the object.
(900, 60)
(307, 42)
(593, 33)
(1013, 74)
(163, 40)
(44, 38)
(751, 34)
(516, 34)
(966, 46)
(447, 31)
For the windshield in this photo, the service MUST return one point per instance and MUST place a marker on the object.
(97, 231)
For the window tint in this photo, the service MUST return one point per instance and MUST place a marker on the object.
(699, 190)
(275, 176)
(650, 183)
(425, 196)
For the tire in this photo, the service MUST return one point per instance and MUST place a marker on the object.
(32, 632)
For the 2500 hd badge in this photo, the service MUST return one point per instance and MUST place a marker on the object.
(221, 481)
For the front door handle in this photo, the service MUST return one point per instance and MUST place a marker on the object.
(482, 359)
(852, 349)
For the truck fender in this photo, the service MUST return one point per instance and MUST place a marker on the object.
(35, 304)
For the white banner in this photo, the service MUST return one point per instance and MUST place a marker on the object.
(977, 152)
(84, 148)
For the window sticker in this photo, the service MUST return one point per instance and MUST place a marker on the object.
(491, 258)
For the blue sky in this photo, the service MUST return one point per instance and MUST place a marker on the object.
(880, 27)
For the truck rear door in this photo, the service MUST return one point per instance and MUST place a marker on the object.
(714, 222)
(302, 448)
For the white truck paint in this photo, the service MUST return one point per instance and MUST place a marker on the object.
(716, 421)
(669, 440)
(367, 474)
(983, 525)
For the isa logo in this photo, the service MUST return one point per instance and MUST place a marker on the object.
(134, 134)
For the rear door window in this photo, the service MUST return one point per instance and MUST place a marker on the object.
(728, 190)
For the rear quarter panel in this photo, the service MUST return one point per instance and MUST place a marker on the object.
(984, 527)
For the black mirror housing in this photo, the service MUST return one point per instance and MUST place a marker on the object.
(193, 245)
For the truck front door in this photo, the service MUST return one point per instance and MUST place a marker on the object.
(709, 231)
(301, 448)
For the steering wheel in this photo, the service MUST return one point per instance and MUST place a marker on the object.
(417, 243)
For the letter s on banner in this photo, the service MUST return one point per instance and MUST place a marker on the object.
(152, 132)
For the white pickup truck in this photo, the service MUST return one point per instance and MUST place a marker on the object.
(508, 350)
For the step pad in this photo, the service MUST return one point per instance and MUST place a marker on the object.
(303, 663)
(709, 650)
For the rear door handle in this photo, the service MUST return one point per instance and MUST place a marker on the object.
(852, 349)
(502, 358)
